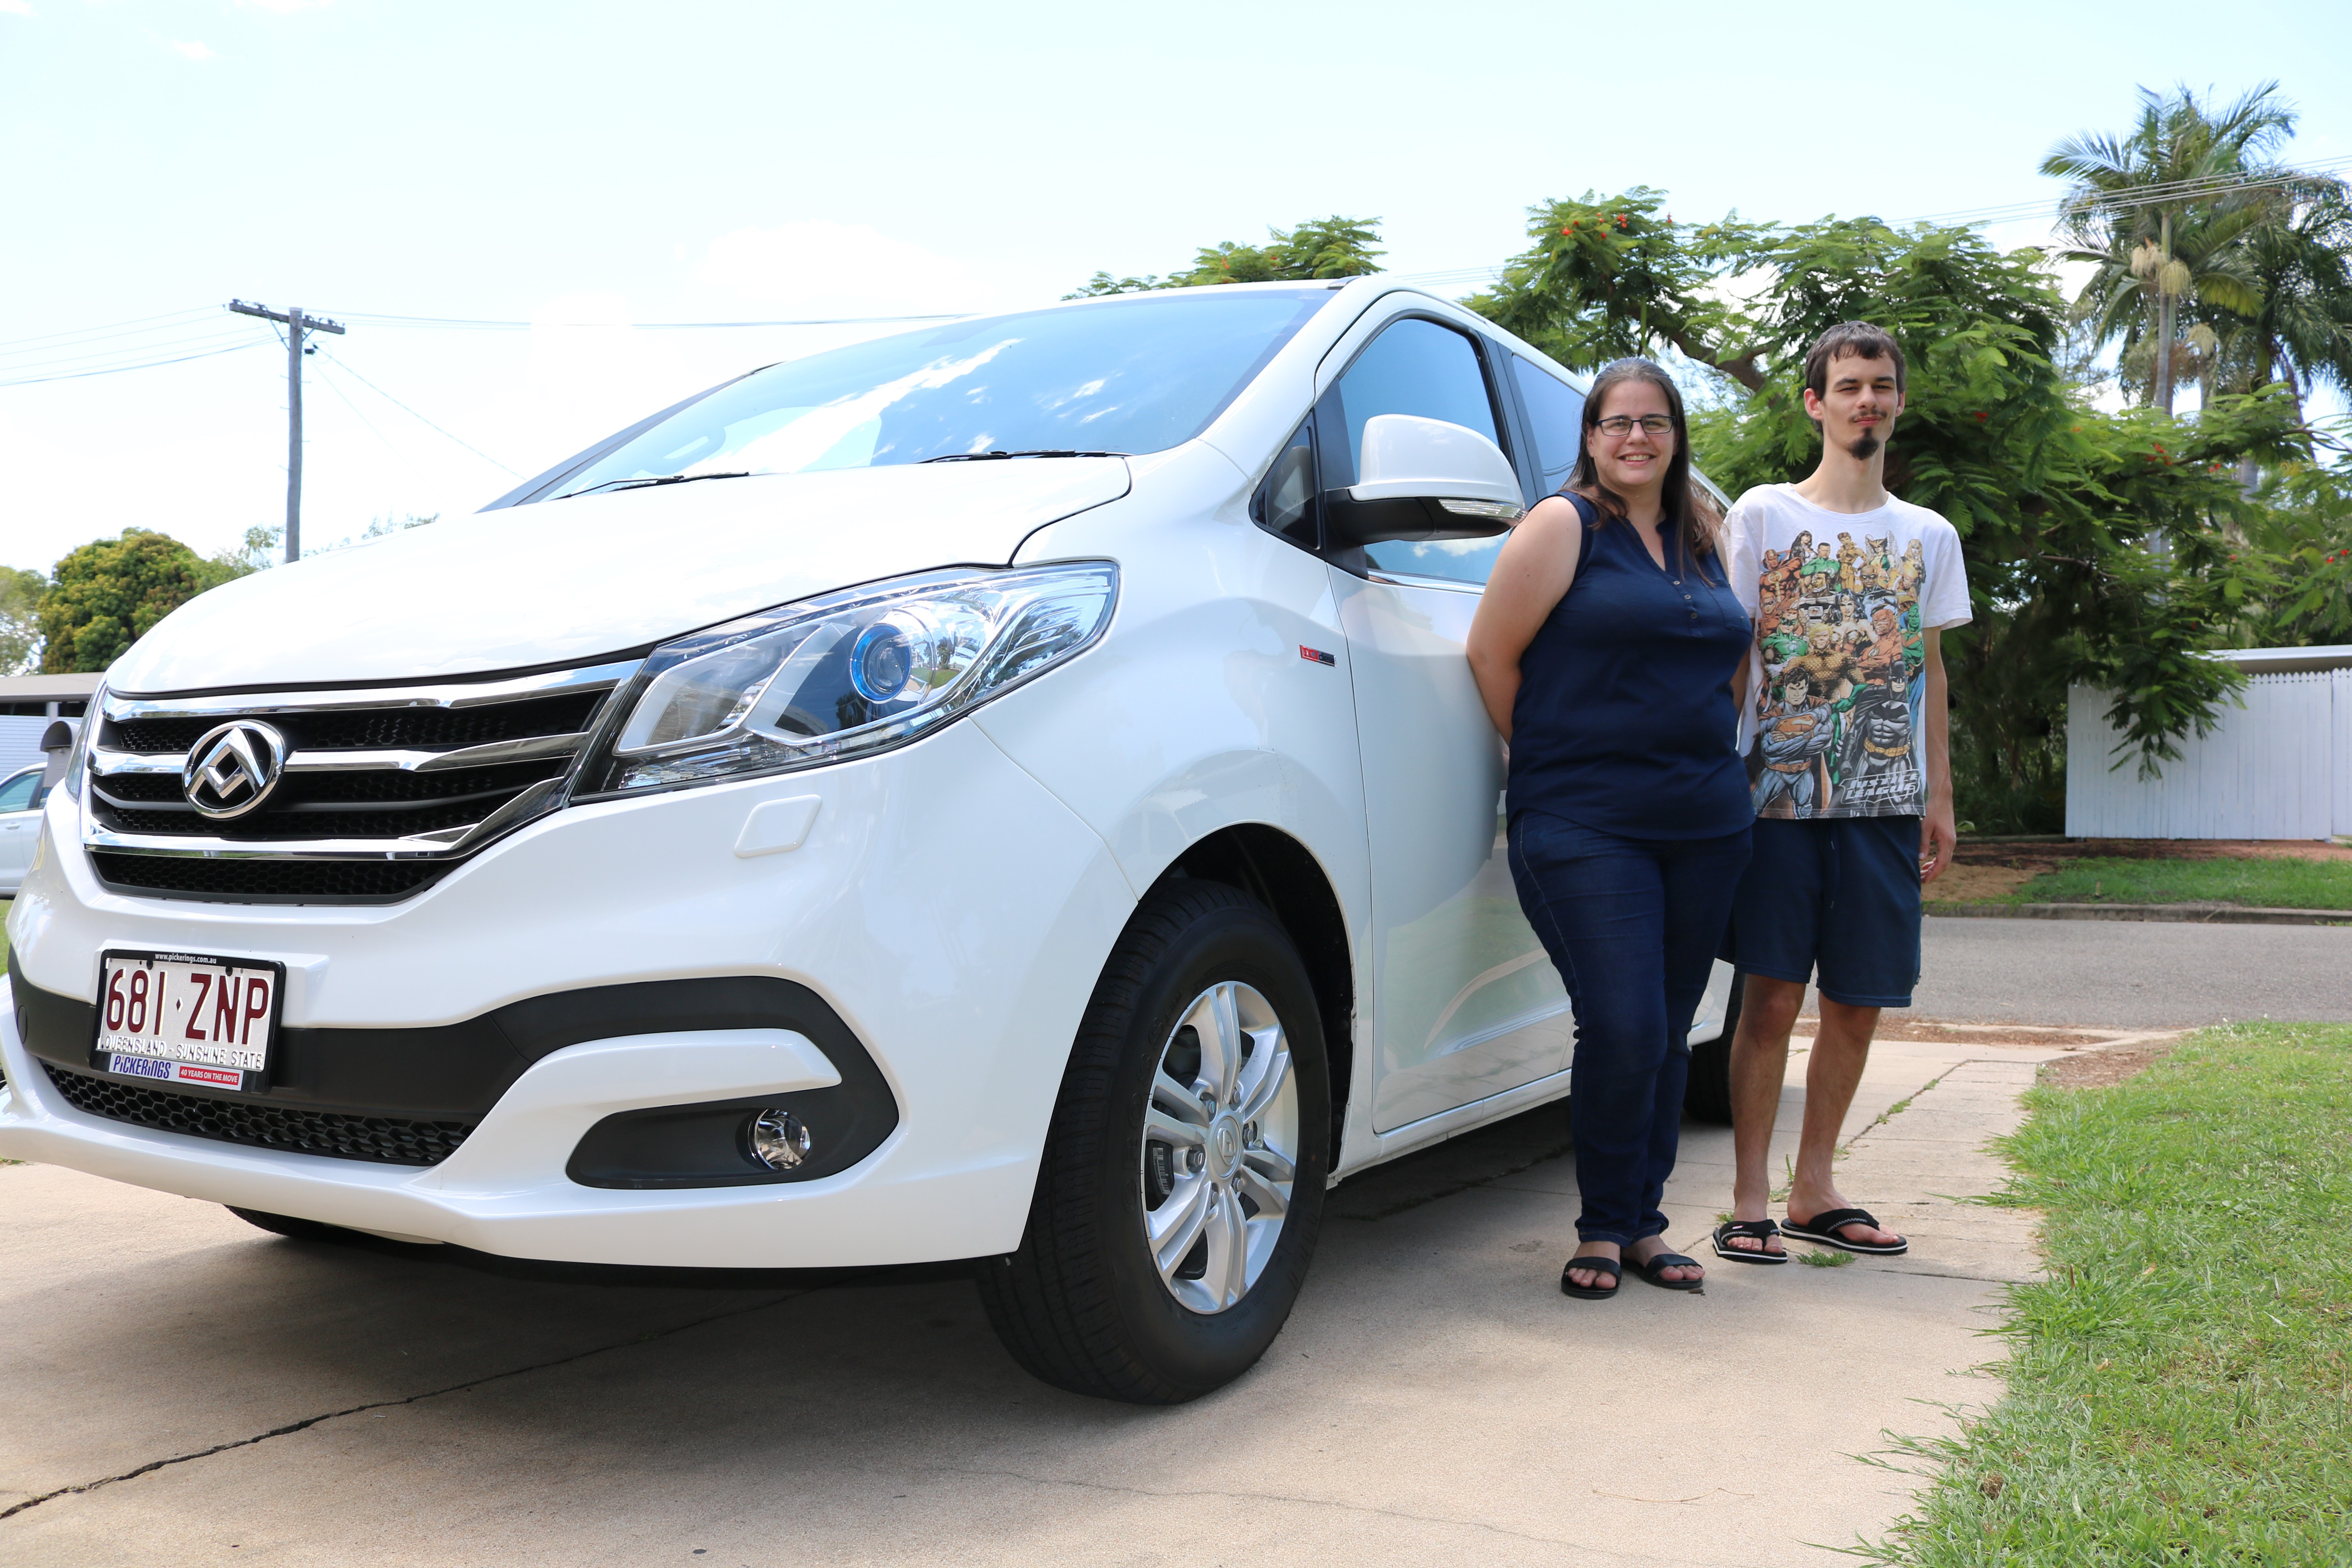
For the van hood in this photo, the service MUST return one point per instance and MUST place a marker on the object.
(564, 582)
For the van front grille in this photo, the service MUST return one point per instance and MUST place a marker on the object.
(377, 791)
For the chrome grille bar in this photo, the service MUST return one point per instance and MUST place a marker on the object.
(107, 763)
(449, 694)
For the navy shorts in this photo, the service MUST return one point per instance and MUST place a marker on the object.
(1840, 895)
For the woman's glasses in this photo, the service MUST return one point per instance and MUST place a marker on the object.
(1619, 426)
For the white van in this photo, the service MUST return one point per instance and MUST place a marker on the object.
(1011, 791)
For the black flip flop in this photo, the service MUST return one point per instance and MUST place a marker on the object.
(1762, 1230)
(1608, 1265)
(1663, 1261)
(1823, 1229)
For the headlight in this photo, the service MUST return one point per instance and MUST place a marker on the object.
(845, 674)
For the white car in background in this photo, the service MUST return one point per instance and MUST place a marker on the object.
(1011, 791)
(20, 826)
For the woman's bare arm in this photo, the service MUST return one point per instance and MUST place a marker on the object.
(1531, 575)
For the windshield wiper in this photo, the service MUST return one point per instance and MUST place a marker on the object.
(986, 457)
(663, 479)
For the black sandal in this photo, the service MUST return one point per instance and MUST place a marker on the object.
(1762, 1230)
(1650, 1270)
(1609, 1265)
(1823, 1229)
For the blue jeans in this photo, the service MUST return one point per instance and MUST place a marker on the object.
(1633, 925)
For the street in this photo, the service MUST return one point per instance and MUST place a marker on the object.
(2132, 973)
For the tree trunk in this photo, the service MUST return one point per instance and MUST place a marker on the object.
(2164, 320)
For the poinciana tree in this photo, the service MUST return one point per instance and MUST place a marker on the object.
(2104, 548)
(1321, 247)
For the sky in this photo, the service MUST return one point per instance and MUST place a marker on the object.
(590, 166)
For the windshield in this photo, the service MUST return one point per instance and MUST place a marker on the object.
(1138, 373)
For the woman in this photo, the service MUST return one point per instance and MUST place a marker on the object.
(1608, 648)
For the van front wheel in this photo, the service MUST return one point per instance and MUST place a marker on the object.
(1184, 1173)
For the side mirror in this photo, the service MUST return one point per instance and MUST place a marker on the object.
(57, 741)
(1424, 478)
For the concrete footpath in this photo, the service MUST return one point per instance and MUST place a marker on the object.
(225, 1397)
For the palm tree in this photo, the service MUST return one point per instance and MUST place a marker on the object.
(2163, 217)
(2301, 260)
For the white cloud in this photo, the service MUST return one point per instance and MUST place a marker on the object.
(190, 49)
(822, 269)
(16, 9)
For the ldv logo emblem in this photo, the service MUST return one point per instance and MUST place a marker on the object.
(233, 769)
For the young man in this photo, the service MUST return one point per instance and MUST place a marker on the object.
(1847, 749)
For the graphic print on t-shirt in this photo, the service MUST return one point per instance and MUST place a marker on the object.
(1837, 724)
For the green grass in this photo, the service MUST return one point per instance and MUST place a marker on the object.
(2180, 1384)
(2274, 884)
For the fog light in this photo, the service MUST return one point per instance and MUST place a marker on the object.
(780, 1139)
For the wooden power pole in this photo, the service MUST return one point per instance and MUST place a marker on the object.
(297, 324)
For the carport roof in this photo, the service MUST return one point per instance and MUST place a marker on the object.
(2287, 660)
(46, 687)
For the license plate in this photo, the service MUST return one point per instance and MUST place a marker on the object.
(187, 1018)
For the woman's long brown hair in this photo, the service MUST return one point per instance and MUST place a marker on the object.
(1688, 507)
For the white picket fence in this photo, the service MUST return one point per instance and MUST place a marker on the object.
(2279, 768)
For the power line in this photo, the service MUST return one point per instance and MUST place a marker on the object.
(2158, 195)
(55, 350)
(96, 331)
(467, 324)
(336, 388)
(146, 364)
(412, 412)
(211, 336)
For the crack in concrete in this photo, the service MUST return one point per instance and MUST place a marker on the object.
(307, 1421)
(1170, 1495)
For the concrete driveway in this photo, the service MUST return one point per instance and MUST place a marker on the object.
(183, 1389)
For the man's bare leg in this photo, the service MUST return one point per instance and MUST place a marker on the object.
(1840, 1049)
(1759, 1063)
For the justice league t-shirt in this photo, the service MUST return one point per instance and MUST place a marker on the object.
(1835, 723)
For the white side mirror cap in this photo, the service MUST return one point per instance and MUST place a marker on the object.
(1407, 457)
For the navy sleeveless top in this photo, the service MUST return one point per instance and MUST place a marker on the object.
(1625, 720)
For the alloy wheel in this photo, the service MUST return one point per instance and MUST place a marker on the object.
(1220, 1147)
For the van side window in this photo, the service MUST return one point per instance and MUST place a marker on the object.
(1288, 501)
(1555, 416)
(17, 795)
(1416, 366)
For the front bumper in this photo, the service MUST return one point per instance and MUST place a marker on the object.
(948, 910)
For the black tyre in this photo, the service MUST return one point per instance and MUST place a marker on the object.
(1707, 1096)
(299, 1229)
(1182, 1181)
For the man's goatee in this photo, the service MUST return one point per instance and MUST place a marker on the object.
(1863, 446)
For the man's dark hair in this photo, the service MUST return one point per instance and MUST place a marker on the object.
(1858, 339)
